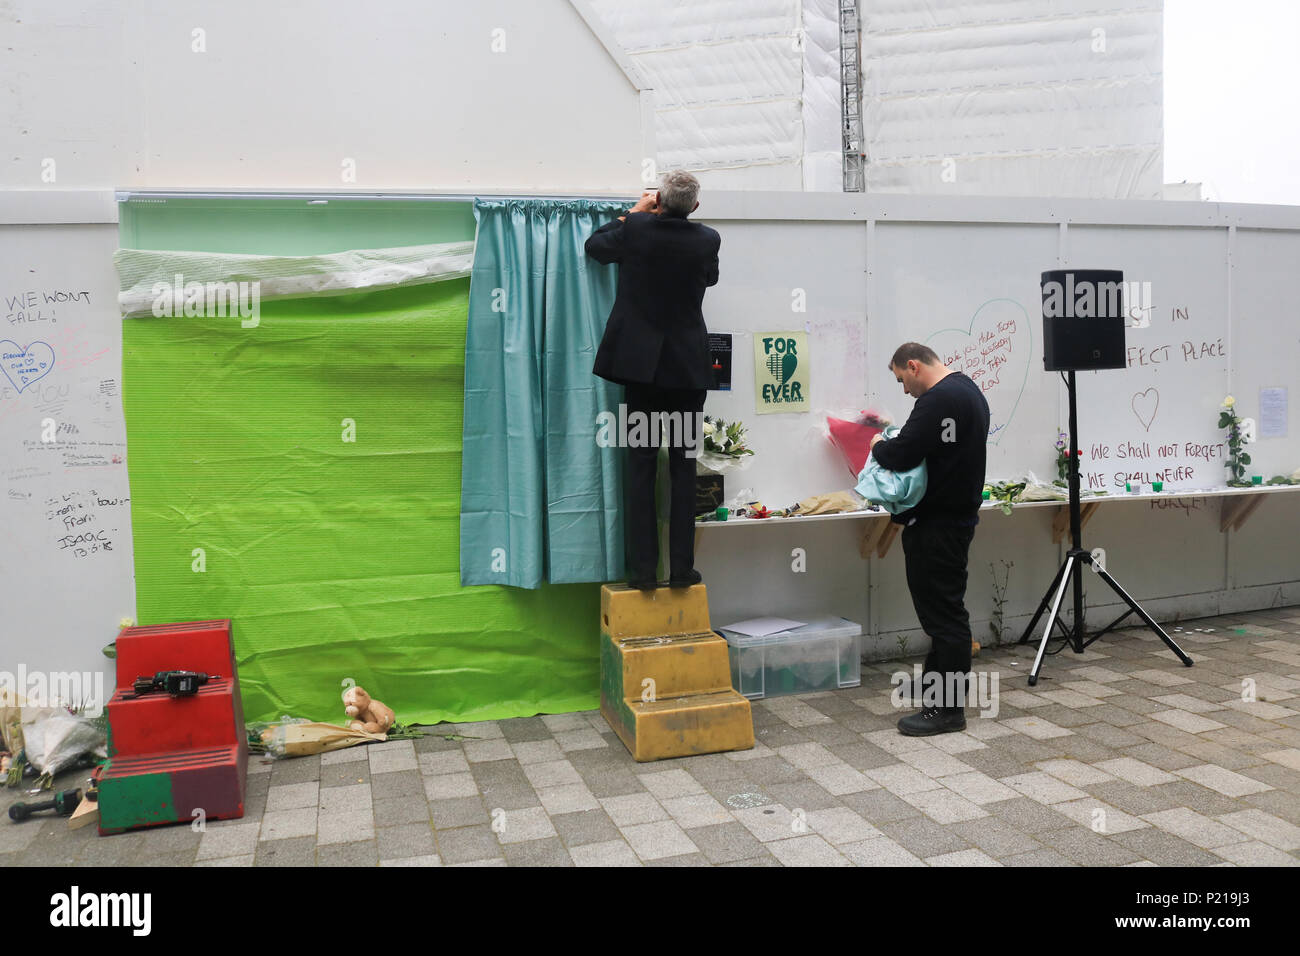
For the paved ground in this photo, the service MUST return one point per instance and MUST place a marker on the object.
(1124, 757)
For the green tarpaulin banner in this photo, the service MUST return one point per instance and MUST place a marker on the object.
(302, 477)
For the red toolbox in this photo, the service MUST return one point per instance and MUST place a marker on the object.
(172, 756)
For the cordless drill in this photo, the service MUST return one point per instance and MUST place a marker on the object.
(175, 683)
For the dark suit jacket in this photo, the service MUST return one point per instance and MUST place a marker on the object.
(655, 334)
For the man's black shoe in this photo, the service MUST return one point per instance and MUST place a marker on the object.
(643, 585)
(931, 721)
(685, 580)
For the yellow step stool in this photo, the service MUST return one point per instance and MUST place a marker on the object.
(665, 677)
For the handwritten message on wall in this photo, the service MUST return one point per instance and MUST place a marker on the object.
(994, 351)
(1140, 424)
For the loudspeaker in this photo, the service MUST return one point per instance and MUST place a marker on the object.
(1083, 319)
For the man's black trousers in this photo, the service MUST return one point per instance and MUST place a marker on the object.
(640, 529)
(935, 553)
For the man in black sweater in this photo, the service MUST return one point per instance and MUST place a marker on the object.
(948, 429)
(656, 344)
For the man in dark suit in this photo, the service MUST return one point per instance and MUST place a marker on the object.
(656, 345)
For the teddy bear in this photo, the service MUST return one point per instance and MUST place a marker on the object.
(369, 715)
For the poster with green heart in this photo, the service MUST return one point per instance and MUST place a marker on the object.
(780, 372)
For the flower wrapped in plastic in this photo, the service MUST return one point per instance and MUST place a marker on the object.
(299, 737)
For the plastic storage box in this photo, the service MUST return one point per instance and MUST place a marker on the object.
(824, 654)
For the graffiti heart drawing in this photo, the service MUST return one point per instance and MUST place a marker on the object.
(25, 365)
(1142, 401)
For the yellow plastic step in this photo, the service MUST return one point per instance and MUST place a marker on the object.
(663, 612)
(649, 668)
(681, 726)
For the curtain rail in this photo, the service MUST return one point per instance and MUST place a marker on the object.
(325, 196)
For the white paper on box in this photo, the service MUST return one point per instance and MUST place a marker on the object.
(763, 626)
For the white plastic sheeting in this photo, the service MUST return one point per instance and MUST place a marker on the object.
(823, 141)
(1014, 97)
(728, 77)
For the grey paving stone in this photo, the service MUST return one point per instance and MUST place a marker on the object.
(1043, 857)
(344, 774)
(295, 851)
(613, 783)
(457, 812)
(1026, 815)
(168, 839)
(1197, 798)
(861, 755)
(770, 770)
(402, 783)
(407, 840)
(401, 810)
(584, 827)
(525, 728)
(685, 859)
(295, 770)
(358, 853)
(879, 806)
(1275, 775)
(1087, 848)
(657, 840)
(1255, 853)
(726, 842)
(546, 852)
(1164, 849)
(607, 853)
(1160, 756)
(713, 768)
(508, 797)
(880, 851)
(349, 826)
(1277, 802)
(467, 844)
(811, 849)
(996, 837)
(434, 742)
(829, 734)
(923, 837)
(804, 794)
(293, 796)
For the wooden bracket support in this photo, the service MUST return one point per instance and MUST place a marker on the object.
(1061, 523)
(1234, 511)
(871, 531)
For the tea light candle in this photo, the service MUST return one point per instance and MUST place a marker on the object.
(1256, 479)
(1157, 486)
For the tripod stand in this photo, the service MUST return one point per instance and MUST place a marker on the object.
(1072, 570)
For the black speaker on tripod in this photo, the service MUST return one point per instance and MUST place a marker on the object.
(1083, 320)
(1083, 329)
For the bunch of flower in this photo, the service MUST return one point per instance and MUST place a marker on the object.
(725, 439)
(1237, 459)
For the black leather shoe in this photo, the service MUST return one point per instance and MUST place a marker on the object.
(931, 721)
(685, 580)
(643, 585)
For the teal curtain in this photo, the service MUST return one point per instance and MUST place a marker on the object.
(540, 499)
